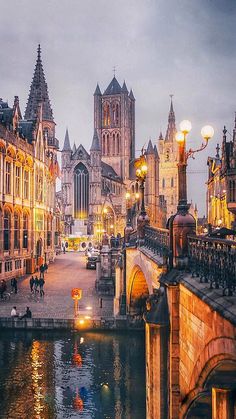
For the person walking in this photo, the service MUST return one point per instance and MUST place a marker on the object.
(36, 284)
(41, 284)
(14, 312)
(14, 284)
(27, 315)
(31, 283)
(3, 288)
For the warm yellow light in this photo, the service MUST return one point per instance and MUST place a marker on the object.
(88, 308)
(81, 321)
(127, 195)
(138, 172)
(144, 168)
(137, 195)
(179, 136)
(87, 317)
(105, 211)
(185, 126)
(111, 226)
(207, 132)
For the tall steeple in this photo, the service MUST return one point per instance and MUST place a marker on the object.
(38, 93)
(171, 128)
(66, 146)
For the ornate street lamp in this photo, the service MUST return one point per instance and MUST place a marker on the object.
(141, 173)
(183, 223)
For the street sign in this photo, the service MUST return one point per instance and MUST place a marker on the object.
(76, 293)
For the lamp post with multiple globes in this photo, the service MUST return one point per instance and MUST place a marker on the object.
(141, 173)
(182, 223)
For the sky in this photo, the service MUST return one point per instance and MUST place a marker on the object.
(159, 47)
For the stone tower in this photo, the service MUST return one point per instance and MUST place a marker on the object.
(65, 178)
(95, 183)
(168, 186)
(114, 120)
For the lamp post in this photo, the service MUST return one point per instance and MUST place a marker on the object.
(182, 222)
(141, 173)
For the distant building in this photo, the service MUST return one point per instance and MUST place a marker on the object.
(28, 171)
(221, 184)
(94, 184)
(168, 169)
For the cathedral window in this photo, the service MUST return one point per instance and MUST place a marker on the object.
(7, 229)
(114, 144)
(163, 183)
(103, 144)
(106, 114)
(17, 181)
(117, 114)
(16, 230)
(108, 144)
(81, 191)
(25, 230)
(8, 177)
(118, 143)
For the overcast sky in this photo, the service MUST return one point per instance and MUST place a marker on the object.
(184, 47)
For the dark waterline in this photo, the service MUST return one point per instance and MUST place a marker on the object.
(46, 375)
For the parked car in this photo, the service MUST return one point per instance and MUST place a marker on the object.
(91, 262)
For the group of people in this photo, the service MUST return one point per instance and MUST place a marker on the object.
(27, 315)
(36, 285)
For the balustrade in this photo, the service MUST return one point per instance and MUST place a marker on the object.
(157, 240)
(214, 262)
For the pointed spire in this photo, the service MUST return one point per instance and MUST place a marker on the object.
(155, 151)
(150, 149)
(160, 136)
(38, 93)
(131, 95)
(113, 88)
(66, 146)
(95, 144)
(74, 148)
(124, 88)
(171, 128)
(97, 91)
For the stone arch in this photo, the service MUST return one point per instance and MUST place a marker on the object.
(138, 291)
(216, 352)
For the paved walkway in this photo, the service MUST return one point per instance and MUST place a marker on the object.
(67, 272)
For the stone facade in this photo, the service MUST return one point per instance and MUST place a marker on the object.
(28, 171)
(221, 184)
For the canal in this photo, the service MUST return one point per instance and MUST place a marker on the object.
(46, 375)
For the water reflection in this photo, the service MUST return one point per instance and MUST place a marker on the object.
(89, 375)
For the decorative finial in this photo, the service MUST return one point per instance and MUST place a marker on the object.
(39, 51)
(224, 130)
(171, 95)
(217, 151)
(114, 71)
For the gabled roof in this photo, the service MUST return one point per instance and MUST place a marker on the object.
(66, 146)
(26, 129)
(109, 172)
(95, 144)
(38, 94)
(81, 154)
(114, 88)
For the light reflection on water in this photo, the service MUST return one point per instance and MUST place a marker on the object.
(71, 375)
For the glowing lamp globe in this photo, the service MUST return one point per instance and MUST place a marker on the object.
(138, 172)
(137, 195)
(127, 195)
(144, 168)
(179, 137)
(207, 132)
(185, 126)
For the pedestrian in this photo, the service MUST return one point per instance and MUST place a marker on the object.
(31, 283)
(41, 284)
(14, 284)
(27, 315)
(14, 312)
(3, 288)
(36, 284)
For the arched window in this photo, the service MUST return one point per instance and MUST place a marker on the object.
(163, 183)
(108, 144)
(45, 133)
(17, 181)
(8, 177)
(172, 182)
(118, 143)
(25, 230)
(49, 231)
(103, 144)
(117, 115)
(81, 191)
(16, 230)
(114, 144)
(7, 229)
(106, 114)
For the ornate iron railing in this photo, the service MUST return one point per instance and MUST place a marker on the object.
(157, 240)
(214, 262)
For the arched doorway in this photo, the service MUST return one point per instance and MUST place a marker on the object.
(108, 220)
(81, 192)
(138, 294)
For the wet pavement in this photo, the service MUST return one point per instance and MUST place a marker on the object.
(66, 272)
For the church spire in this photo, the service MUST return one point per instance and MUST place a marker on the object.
(66, 146)
(38, 93)
(171, 128)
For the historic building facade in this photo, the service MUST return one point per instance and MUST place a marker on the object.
(168, 155)
(99, 187)
(221, 184)
(28, 171)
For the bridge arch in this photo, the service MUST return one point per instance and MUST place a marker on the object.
(211, 369)
(138, 291)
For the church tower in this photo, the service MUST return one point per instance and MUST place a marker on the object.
(95, 184)
(114, 120)
(168, 186)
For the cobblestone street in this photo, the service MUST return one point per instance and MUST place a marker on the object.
(67, 272)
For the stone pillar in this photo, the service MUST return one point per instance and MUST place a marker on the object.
(156, 371)
(183, 224)
(222, 403)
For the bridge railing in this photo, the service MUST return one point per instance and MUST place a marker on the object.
(157, 240)
(214, 262)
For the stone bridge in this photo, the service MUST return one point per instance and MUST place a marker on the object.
(190, 323)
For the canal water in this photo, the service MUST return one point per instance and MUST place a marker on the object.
(47, 375)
